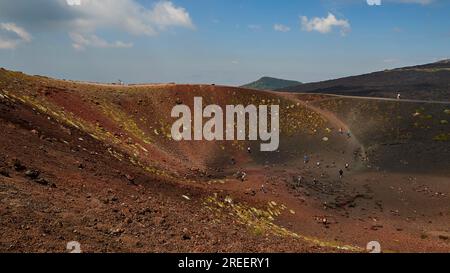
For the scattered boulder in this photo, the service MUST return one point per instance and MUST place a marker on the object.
(4, 173)
(32, 174)
(18, 166)
(376, 227)
(186, 197)
(442, 235)
(186, 235)
(80, 165)
(117, 231)
(250, 192)
(130, 178)
(44, 182)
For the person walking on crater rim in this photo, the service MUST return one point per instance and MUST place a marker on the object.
(341, 174)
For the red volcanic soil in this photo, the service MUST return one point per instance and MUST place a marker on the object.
(96, 164)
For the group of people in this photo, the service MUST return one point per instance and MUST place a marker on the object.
(341, 132)
(306, 160)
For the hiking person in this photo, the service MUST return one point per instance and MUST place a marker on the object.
(347, 166)
(318, 164)
(249, 150)
(299, 181)
(306, 159)
(263, 189)
(243, 176)
(398, 96)
(341, 173)
(341, 131)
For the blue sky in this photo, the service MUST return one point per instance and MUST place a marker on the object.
(225, 42)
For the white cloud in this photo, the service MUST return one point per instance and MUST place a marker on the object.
(130, 16)
(20, 32)
(127, 15)
(80, 42)
(165, 14)
(281, 28)
(90, 17)
(17, 36)
(374, 2)
(325, 24)
(73, 2)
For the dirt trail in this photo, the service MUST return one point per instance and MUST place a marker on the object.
(384, 99)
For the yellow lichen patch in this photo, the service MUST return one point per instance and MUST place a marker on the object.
(442, 137)
(164, 129)
(96, 131)
(126, 122)
(262, 221)
(117, 155)
(65, 117)
(295, 120)
(150, 169)
(239, 145)
(217, 181)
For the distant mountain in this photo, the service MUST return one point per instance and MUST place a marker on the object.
(268, 83)
(426, 82)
